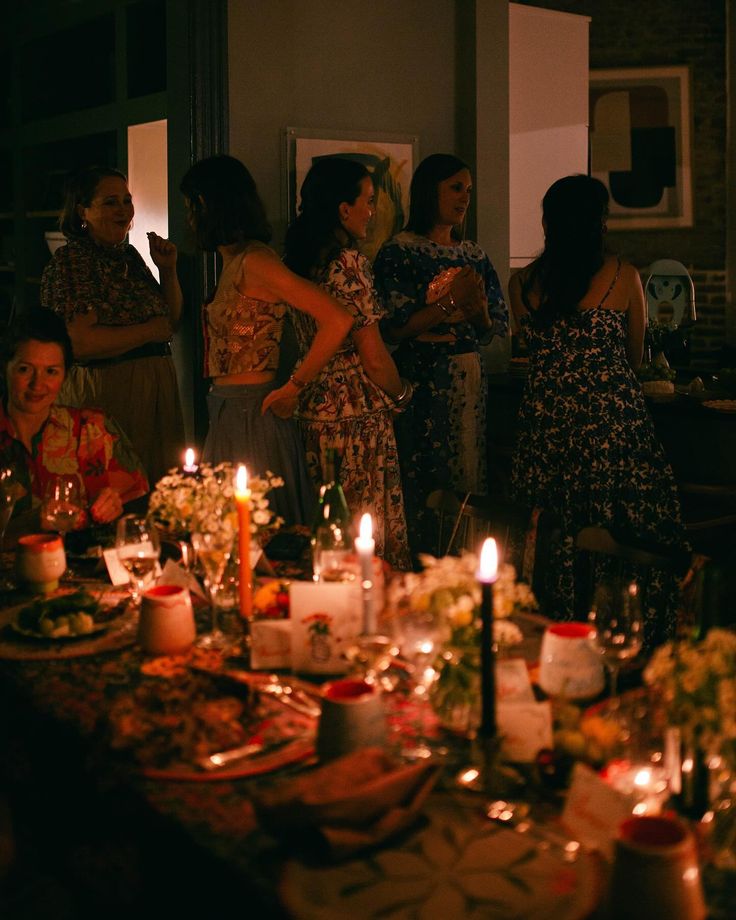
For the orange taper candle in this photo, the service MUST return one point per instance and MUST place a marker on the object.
(242, 500)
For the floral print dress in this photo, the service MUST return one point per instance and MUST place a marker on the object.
(588, 452)
(343, 408)
(442, 434)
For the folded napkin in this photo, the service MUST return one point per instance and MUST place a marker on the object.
(349, 804)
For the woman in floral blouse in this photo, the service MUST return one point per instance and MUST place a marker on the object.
(351, 403)
(39, 438)
(444, 301)
(119, 317)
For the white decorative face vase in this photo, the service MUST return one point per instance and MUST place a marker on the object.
(670, 294)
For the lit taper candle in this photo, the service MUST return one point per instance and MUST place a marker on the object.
(365, 546)
(242, 501)
(487, 574)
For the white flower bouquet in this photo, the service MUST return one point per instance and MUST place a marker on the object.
(449, 586)
(180, 498)
(696, 682)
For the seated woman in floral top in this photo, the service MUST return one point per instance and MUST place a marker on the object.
(39, 439)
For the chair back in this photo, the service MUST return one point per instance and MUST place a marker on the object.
(525, 536)
(601, 551)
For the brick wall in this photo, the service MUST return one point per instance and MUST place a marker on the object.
(658, 33)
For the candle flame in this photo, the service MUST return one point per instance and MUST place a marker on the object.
(366, 527)
(241, 481)
(488, 560)
(189, 458)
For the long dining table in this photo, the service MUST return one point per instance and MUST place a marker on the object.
(123, 838)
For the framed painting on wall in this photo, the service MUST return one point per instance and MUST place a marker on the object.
(640, 145)
(388, 158)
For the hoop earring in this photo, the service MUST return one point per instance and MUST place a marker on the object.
(84, 225)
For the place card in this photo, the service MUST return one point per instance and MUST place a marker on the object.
(525, 729)
(117, 573)
(513, 684)
(270, 644)
(594, 810)
(325, 618)
(174, 574)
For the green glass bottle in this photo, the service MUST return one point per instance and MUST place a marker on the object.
(332, 538)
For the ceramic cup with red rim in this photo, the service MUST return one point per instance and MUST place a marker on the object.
(569, 665)
(353, 717)
(166, 624)
(655, 871)
(41, 561)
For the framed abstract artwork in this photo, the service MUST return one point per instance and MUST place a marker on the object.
(640, 145)
(388, 158)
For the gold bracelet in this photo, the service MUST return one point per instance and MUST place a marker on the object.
(443, 307)
(299, 384)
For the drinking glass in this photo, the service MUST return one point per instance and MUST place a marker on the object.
(138, 548)
(419, 636)
(212, 539)
(62, 507)
(63, 503)
(617, 619)
(9, 489)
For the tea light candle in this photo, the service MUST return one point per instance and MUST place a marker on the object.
(365, 546)
(190, 467)
(486, 575)
(242, 501)
(644, 783)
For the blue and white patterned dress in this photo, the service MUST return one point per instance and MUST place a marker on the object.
(442, 434)
(587, 451)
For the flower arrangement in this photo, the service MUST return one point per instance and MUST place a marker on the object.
(180, 498)
(449, 586)
(697, 684)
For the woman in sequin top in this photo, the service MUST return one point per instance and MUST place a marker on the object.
(119, 317)
(250, 415)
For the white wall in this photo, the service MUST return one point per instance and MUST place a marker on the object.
(148, 183)
(382, 66)
(548, 117)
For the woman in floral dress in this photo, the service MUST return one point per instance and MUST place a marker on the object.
(444, 300)
(587, 450)
(350, 404)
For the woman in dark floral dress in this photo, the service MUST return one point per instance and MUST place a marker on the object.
(444, 300)
(350, 405)
(587, 450)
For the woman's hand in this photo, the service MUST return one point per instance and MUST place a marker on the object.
(163, 252)
(107, 506)
(468, 292)
(282, 402)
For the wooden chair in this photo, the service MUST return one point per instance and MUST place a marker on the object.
(598, 543)
(525, 536)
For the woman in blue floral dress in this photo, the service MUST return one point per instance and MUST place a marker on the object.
(351, 403)
(587, 449)
(444, 300)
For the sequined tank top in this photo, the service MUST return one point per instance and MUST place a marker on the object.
(241, 333)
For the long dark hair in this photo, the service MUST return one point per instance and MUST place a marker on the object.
(311, 238)
(574, 210)
(79, 189)
(225, 204)
(423, 191)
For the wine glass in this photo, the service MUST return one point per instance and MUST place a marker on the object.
(616, 616)
(138, 549)
(63, 506)
(420, 635)
(212, 539)
(9, 489)
(63, 503)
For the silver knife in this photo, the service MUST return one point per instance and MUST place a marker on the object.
(243, 752)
